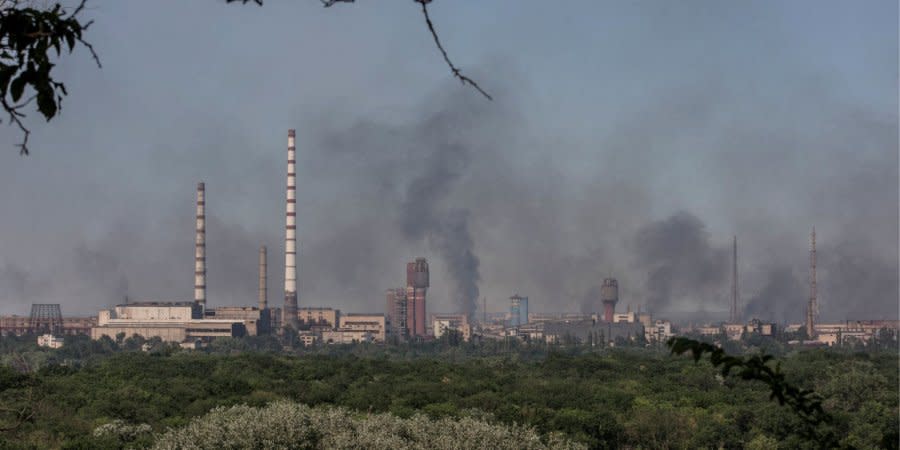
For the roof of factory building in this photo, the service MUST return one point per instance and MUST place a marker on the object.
(157, 303)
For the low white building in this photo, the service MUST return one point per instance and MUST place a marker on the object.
(661, 331)
(374, 324)
(626, 317)
(347, 336)
(169, 321)
(441, 323)
(49, 340)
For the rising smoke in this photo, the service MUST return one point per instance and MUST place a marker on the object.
(681, 263)
(501, 197)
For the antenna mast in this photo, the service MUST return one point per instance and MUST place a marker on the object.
(734, 284)
(812, 308)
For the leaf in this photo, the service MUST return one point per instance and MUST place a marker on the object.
(6, 73)
(18, 86)
(46, 103)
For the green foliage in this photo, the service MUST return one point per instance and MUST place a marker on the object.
(803, 402)
(602, 398)
(28, 37)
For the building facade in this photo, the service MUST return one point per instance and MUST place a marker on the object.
(169, 321)
(518, 310)
(374, 324)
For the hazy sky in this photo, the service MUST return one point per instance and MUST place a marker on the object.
(627, 139)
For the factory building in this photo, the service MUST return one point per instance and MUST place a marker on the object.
(253, 319)
(441, 323)
(347, 336)
(733, 331)
(318, 319)
(169, 321)
(592, 332)
(856, 331)
(15, 325)
(628, 317)
(374, 324)
(564, 317)
(518, 310)
(659, 333)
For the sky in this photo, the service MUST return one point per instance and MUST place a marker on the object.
(625, 139)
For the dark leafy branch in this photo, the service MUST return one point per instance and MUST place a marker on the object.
(27, 38)
(803, 402)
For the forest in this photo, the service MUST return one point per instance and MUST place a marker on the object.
(138, 394)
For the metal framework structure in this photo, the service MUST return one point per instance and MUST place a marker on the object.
(46, 318)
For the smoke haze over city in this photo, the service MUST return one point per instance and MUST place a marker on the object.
(626, 140)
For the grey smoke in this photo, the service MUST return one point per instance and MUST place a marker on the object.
(465, 183)
(454, 243)
(543, 192)
(423, 215)
(783, 295)
(681, 263)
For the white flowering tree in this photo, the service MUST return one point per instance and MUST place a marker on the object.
(291, 425)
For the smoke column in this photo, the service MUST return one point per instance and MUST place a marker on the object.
(446, 229)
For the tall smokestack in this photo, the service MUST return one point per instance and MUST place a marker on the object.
(200, 248)
(734, 285)
(812, 307)
(289, 315)
(263, 293)
(609, 295)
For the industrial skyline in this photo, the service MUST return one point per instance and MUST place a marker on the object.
(669, 146)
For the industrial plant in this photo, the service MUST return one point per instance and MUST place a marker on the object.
(406, 318)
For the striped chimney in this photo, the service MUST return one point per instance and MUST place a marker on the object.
(289, 315)
(200, 248)
(263, 294)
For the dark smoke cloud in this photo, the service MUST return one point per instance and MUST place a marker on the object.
(783, 296)
(681, 263)
(454, 243)
(850, 276)
(447, 229)
(412, 172)
(500, 204)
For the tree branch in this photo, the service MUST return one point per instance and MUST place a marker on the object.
(28, 35)
(456, 72)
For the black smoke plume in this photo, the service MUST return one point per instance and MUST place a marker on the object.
(681, 263)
